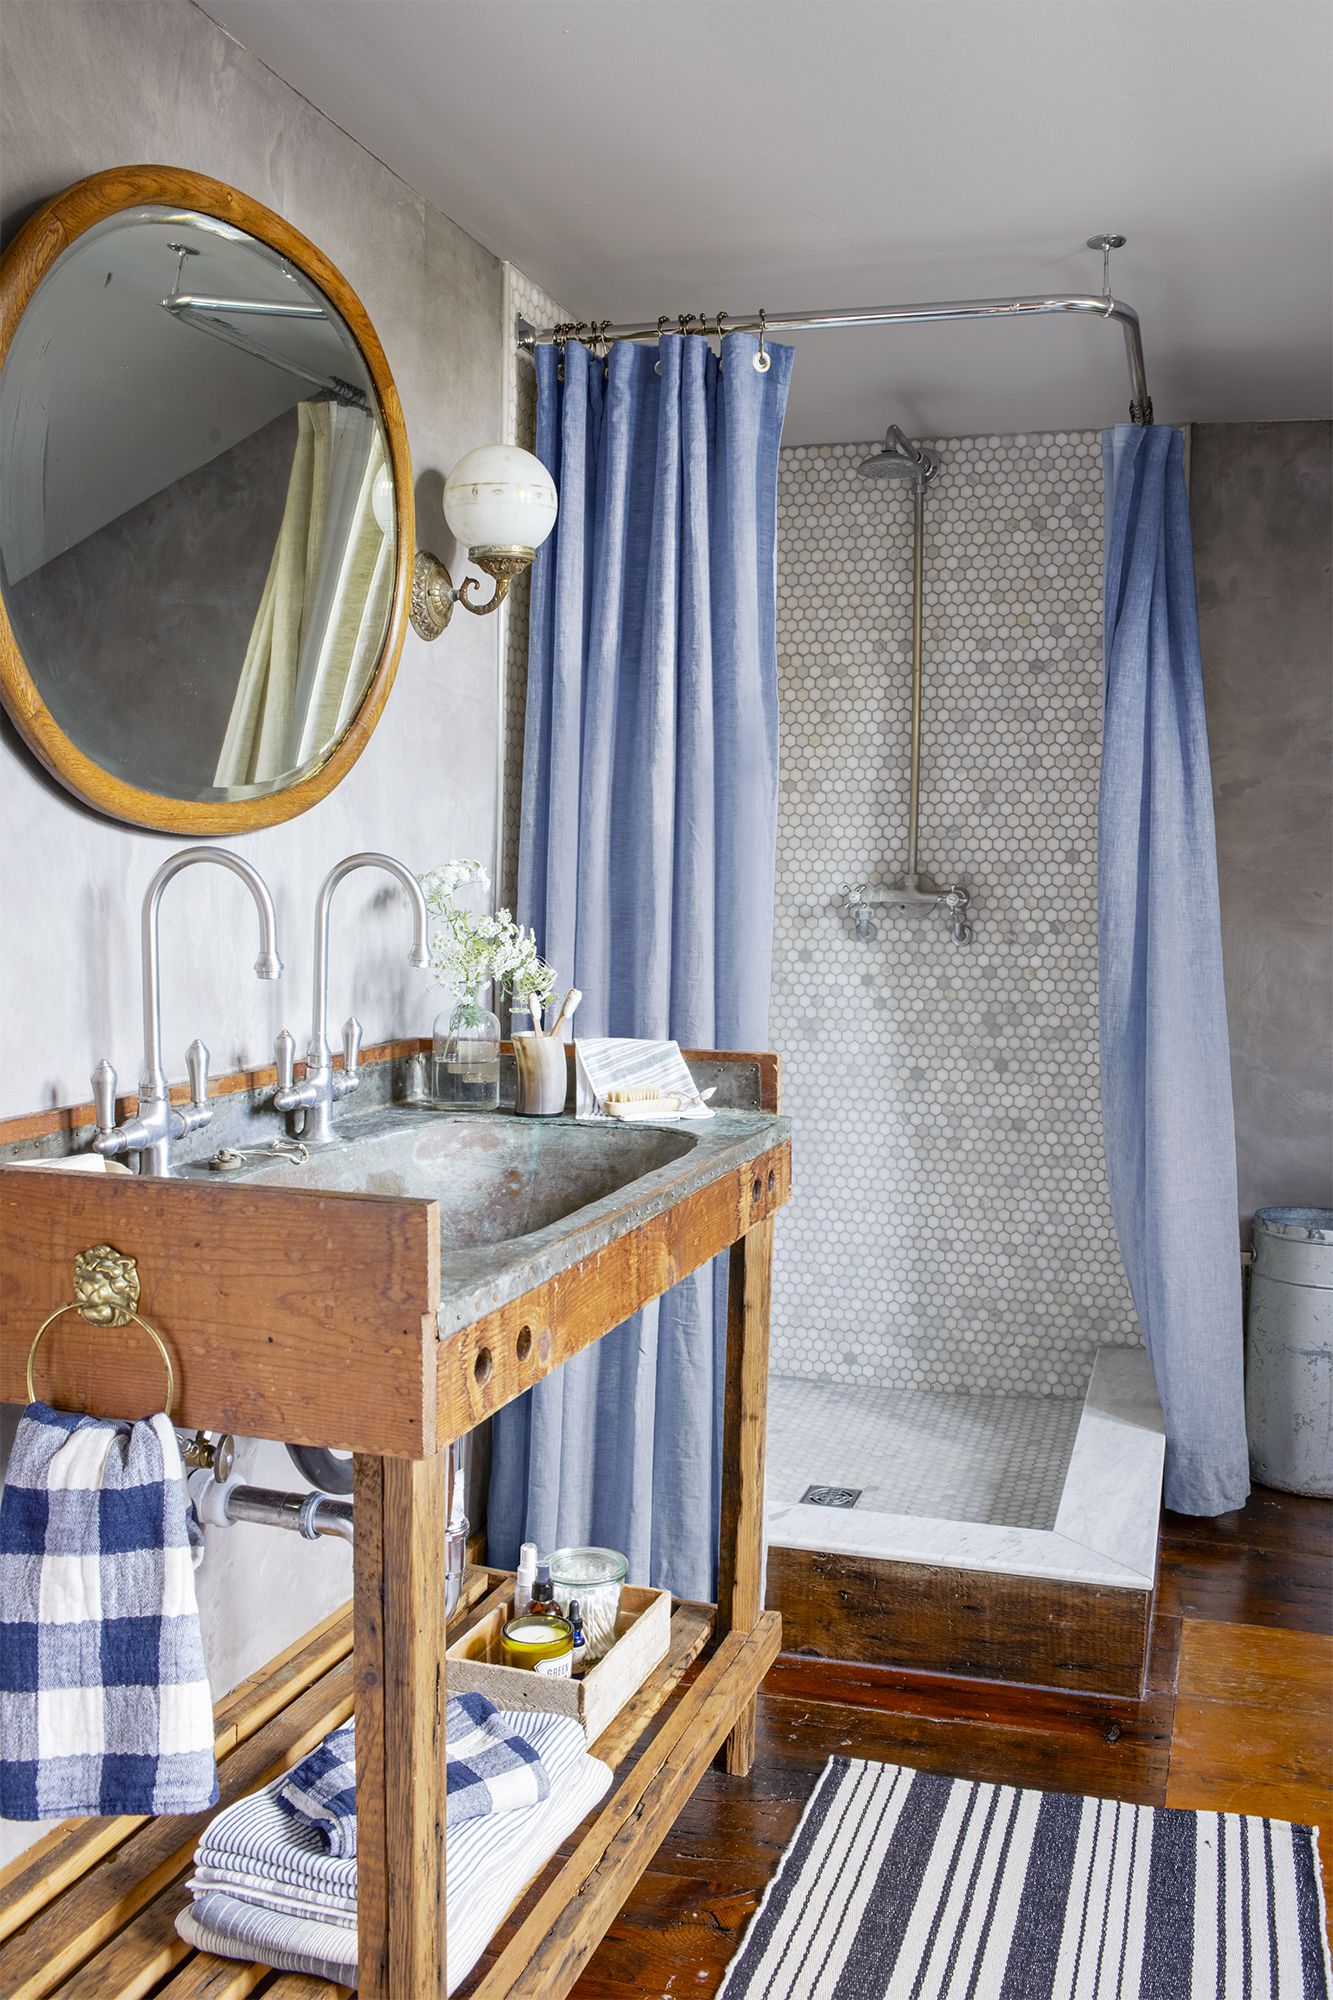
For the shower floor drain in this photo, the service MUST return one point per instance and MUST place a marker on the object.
(831, 1496)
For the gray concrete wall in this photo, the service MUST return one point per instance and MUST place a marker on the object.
(1260, 504)
(150, 696)
(88, 85)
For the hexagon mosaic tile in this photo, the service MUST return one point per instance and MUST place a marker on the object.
(950, 1226)
(947, 1456)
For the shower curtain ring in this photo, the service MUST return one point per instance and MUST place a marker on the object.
(763, 360)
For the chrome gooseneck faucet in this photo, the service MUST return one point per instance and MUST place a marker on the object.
(158, 1124)
(323, 1085)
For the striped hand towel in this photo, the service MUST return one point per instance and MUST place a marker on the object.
(265, 1886)
(614, 1062)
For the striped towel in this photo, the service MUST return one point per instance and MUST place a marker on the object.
(614, 1062)
(265, 1887)
(487, 1769)
(104, 1698)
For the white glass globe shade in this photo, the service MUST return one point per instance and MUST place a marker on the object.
(382, 500)
(500, 497)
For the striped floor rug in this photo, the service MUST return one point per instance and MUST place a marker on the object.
(900, 1885)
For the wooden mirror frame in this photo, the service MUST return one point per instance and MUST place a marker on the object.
(26, 261)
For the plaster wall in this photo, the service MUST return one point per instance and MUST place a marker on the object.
(88, 85)
(1261, 515)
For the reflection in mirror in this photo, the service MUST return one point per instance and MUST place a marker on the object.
(197, 520)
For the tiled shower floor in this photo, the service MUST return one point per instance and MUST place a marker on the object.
(985, 1458)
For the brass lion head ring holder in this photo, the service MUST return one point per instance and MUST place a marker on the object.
(106, 1292)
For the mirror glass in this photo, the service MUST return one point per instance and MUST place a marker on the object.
(197, 516)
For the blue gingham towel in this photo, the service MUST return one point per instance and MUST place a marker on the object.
(488, 1769)
(320, 1791)
(104, 1699)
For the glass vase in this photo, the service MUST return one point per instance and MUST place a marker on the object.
(465, 1058)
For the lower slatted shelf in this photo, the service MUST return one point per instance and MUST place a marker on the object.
(89, 1912)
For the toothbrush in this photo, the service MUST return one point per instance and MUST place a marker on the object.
(535, 1009)
(567, 1007)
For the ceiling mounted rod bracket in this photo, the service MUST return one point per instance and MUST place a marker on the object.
(1106, 244)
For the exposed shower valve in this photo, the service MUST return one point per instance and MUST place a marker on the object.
(957, 902)
(914, 895)
(856, 904)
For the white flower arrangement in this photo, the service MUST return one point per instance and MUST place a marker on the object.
(469, 951)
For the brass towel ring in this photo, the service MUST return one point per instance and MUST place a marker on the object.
(106, 1291)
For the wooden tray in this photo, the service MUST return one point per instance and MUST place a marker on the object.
(643, 1635)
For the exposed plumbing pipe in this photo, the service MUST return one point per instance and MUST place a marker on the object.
(221, 1502)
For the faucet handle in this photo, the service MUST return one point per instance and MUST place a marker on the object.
(198, 1111)
(284, 1050)
(352, 1033)
(104, 1096)
(196, 1063)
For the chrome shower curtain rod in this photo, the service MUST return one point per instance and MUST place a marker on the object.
(1101, 306)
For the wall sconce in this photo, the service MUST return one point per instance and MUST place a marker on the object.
(501, 504)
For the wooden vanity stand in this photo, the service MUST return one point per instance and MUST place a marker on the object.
(307, 1315)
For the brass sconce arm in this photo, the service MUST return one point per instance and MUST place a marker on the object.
(434, 595)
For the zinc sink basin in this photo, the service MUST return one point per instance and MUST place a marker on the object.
(520, 1199)
(496, 1178)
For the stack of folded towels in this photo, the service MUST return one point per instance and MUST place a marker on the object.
(275, 1875)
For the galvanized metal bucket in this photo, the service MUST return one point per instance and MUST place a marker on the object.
(1289, 1350)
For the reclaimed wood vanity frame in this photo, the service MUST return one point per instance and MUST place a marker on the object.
(308, 1315)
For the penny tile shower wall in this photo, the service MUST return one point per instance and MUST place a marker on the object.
(950, 1226)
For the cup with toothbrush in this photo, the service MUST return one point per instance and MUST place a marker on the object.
(542, 1060)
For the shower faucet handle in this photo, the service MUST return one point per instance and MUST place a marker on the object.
(857, 904)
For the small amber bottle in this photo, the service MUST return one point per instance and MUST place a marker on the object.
(579, 1660)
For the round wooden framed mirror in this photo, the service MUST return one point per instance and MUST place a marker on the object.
(206, 523)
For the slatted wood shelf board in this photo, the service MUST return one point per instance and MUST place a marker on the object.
(88, 1913)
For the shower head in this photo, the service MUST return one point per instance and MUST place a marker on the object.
(899, 458)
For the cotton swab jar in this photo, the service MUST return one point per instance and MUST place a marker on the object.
(594, 1577)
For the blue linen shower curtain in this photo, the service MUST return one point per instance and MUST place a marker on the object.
(1166, 1074)
(646, 868)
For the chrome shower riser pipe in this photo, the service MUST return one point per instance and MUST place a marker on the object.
(918, 613)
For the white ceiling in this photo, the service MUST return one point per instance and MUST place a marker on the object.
(645, 156)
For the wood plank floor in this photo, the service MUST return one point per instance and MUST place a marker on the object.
(1237, 1718)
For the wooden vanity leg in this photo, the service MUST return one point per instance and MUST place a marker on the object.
(401, 1514)
(745, 1416)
